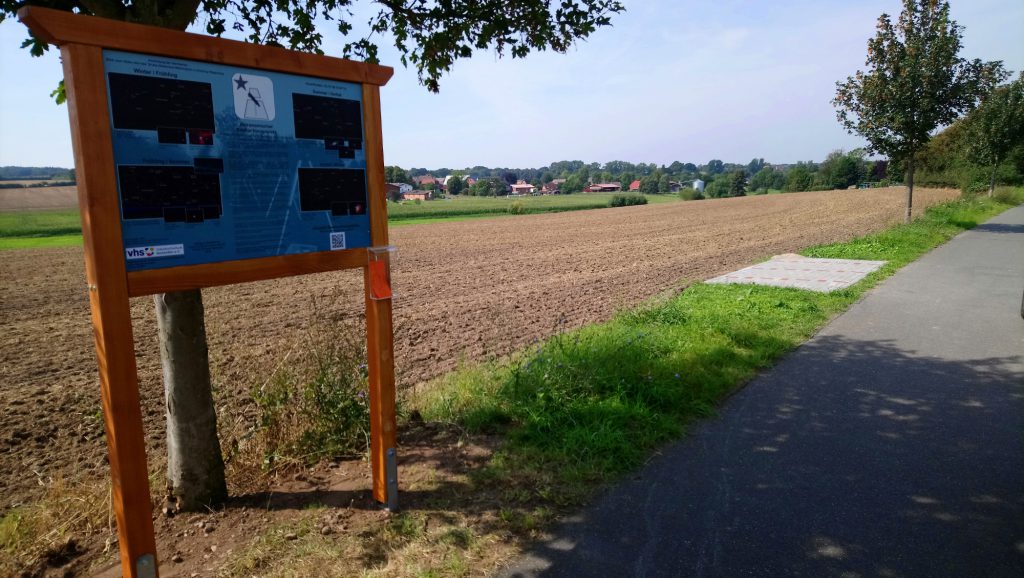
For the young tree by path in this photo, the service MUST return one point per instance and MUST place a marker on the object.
(915, 82)
(429, 36)
(995, 127)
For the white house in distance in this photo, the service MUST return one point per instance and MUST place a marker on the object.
(698, 185)
(523, 188)
(401, 188)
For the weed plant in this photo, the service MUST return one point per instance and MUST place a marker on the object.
(315, 404)
(517, 208)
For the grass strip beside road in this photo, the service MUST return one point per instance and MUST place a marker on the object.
(589, 405)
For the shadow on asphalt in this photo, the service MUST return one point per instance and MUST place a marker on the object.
(1000, 228)
(851, 458)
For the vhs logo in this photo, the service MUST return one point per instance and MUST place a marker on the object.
(154, 251)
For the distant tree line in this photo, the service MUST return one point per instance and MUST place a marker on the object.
(839, 170)
(11, 173)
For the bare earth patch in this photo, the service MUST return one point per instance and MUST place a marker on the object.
(468, 290)
(37, 198)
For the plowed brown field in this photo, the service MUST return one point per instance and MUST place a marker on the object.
(38, 198)
(465, 290)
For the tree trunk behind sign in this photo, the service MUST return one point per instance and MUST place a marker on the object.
(910, 189)
(195, 467)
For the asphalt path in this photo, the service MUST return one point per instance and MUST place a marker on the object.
(891, 444)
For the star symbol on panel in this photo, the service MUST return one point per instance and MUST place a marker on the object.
(240, 82)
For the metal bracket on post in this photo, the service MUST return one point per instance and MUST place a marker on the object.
(145, 566)
(392, 475)
(379, 264)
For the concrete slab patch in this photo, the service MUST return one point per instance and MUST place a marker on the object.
(791, 270)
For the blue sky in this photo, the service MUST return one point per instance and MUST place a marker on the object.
(686, 80)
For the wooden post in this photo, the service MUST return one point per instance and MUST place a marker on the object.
(111, 315)
(379, 332)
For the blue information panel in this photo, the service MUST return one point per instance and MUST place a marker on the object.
(219, 163)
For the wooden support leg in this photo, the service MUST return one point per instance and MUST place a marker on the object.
(111, 314)
(381, 366)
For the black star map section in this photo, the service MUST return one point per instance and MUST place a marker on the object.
(181, 112)
(340, 191)
(174, 194)
(173, 108)
(336, 121)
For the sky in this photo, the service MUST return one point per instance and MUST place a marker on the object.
(686, 80)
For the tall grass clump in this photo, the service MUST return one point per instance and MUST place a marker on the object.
(314, 404)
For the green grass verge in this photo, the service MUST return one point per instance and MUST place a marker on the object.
(35, 229)
(588, 405)
(40, 242)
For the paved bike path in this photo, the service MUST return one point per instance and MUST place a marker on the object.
(891, 444)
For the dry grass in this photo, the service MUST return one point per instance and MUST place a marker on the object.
(53, 530)
(408, 544)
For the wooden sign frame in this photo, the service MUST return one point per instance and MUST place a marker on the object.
(82, 40)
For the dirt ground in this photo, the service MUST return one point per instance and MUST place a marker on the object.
(37, 198)
(465, 291)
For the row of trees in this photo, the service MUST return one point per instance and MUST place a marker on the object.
(36, 173)
(839, 170)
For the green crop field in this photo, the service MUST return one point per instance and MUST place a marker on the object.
(30, 229)
(476, 206)
(61, 228)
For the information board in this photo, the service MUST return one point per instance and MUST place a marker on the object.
(220, 163)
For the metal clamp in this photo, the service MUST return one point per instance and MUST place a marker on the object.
(391, 469)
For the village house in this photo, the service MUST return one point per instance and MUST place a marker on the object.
(398, 188)
(417, 195)
(424, 181)
(634, 186)
(523, 188)
(552, 188)
(603, 188)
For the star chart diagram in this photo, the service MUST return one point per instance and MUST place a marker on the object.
(254, 97)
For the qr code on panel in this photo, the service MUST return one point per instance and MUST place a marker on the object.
(337, 241)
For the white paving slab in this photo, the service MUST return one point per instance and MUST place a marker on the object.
(791, 270)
